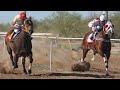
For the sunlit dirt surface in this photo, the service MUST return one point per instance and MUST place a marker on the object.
(62, 60)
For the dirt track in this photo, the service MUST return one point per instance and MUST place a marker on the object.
(61, 67)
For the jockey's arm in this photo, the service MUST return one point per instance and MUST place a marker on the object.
(14, 26)
(14, 21)
(92, 23)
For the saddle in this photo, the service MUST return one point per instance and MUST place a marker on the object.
(12, 35)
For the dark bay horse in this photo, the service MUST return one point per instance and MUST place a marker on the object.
(101, 44)
(21, 45)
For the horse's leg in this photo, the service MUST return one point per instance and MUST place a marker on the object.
(11, 56)
(106, 62)
(30, 65)
(106, 65)
(105, 58)
(15, 60)
(23, 62)
(93, 59)
(85, 51)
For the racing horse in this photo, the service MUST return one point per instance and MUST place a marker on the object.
(101, 44)
(21, 45)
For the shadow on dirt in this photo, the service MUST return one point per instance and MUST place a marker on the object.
(93, 73)
(103, 71)
(72, 74)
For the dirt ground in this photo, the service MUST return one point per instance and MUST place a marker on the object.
(62, 60)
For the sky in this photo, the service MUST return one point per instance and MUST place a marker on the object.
(7, 16)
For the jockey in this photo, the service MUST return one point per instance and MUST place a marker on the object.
(97, 24)
(15, 25)
(20, 16)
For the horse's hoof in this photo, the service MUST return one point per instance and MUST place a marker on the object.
(93, 59)
(25, 71)
(13, 67)
(29, 71)
(16, 66)
(107, 75)
(82, 60)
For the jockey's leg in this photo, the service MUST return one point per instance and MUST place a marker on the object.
(92, 36)
(94, 32)
(16, 31)
(12, 36)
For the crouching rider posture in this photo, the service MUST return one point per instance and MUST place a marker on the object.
(97, 25)
(18, 26)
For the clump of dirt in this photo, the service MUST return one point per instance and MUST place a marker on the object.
(5, 69)
(83, 66)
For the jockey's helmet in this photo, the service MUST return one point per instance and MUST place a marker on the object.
(103, 17)
(22, 15)
(22, 11)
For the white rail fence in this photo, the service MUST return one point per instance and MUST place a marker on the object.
(43, 35)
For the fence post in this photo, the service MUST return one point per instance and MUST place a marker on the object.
(51, 52)
(70, 44)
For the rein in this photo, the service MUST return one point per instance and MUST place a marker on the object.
(102, 39)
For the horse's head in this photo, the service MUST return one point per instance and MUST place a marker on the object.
(109, 28)
(28, 25)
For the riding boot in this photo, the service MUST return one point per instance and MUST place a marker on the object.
(92, 36)
(12, 37)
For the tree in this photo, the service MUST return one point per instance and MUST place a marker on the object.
(67, 23)
(115, 18)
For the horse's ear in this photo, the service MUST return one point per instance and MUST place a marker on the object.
(30, 17)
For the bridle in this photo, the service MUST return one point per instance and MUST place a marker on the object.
(27, 28)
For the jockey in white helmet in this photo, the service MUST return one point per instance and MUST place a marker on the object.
(97, 24)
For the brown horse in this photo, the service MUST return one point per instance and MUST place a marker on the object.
(21, 45)
(101, 44)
